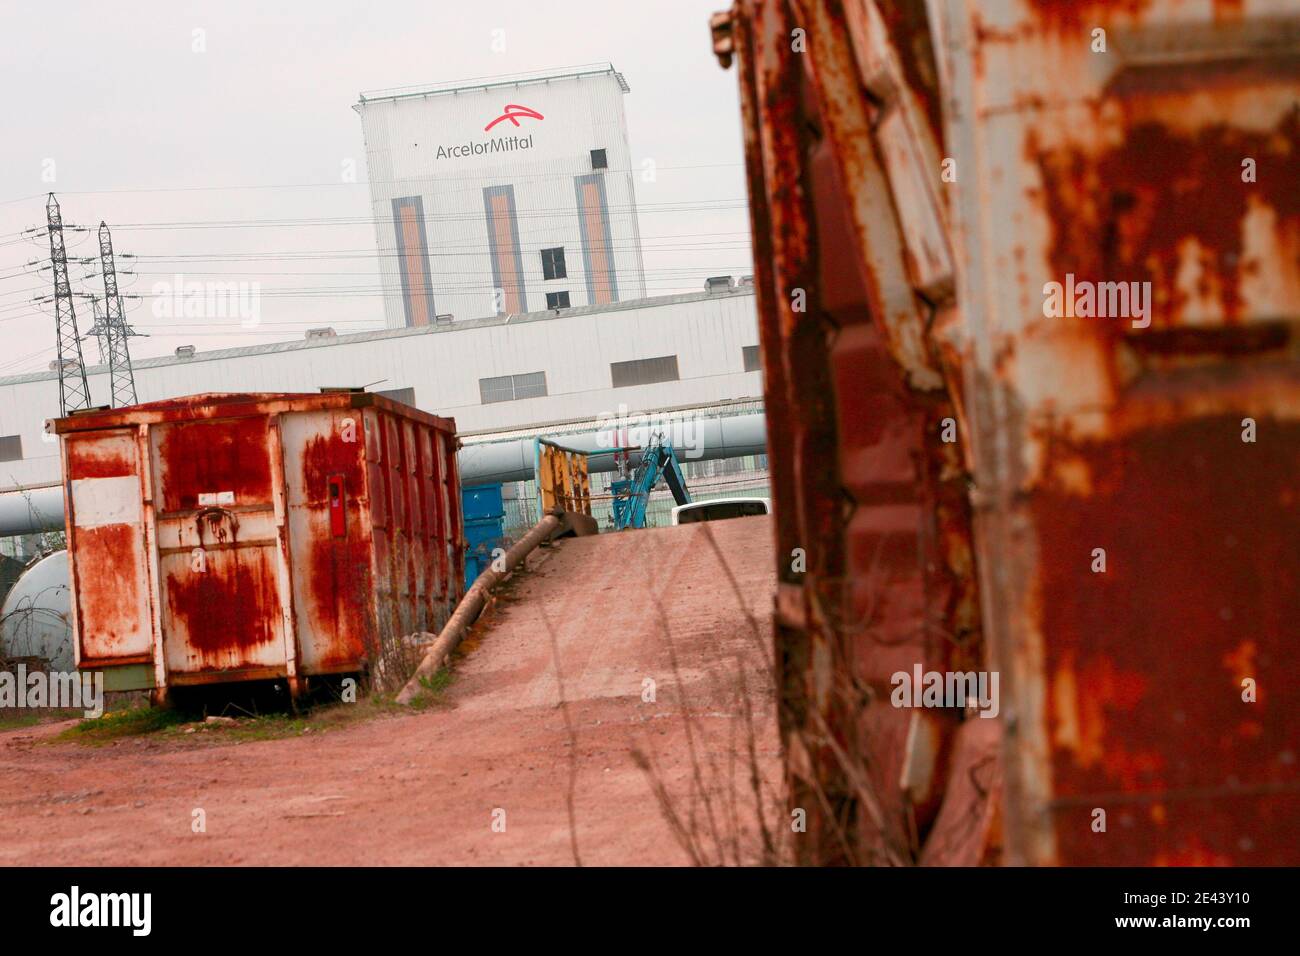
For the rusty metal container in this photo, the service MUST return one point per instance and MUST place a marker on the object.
(237, 537)
(920, 174)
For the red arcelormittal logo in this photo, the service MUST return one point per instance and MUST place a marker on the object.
(513, 112)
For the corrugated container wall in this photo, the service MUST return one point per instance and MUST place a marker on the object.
(1091, 498)
(470, 185)
(259, 536)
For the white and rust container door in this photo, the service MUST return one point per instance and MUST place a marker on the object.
(218, 549)
(109, 568)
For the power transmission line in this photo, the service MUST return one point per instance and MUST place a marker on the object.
(249, 187)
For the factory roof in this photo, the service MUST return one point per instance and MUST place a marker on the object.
(330, 341)
(494, 82)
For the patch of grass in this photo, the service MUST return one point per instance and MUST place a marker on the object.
(437, 682)
(136, 722)
(17, 719)
(433, 687)
(180, 725)
(265, 727)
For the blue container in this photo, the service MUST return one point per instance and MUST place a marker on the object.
(484, 516)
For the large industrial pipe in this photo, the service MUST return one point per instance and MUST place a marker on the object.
(693, 440)
(41, 509)
(31, 511)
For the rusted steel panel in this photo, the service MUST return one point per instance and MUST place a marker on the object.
(261, 533)
(411, 579)
(850, 396)
(227, 456)
(737, 37)
(109, 455)
(108, 567)
(804, 456)
(453, 540)
(225, 617)
(1167, 159)
(326, 499)
(218, 545)
(446, 492)
(385, 533)
(867, 510)
(414, 528)
(435, 520)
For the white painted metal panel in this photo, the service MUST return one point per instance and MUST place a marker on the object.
(108, 567)
(103, 501)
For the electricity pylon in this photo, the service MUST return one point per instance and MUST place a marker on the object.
(115, 331)
(74, 390)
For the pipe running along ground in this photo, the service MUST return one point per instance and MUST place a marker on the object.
(471, 605)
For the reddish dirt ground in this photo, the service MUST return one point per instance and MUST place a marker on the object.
(422, 788)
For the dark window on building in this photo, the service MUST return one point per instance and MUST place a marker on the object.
(644, 371)
(11, 448)
(404, 395)
(509, 388)
(598, 160)
(530, 385)
(557, 300)
(753, 361)
(553, 263)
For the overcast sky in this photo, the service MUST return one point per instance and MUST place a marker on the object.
(139, 129)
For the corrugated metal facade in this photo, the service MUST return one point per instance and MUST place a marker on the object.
(706, 332)
(469, 185)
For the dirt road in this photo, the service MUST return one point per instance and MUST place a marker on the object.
(426, 788)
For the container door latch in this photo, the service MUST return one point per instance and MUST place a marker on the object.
(338, 527)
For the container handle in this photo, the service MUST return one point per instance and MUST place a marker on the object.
(338, 513)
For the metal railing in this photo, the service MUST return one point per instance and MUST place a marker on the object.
(562, 478)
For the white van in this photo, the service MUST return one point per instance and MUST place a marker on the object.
(720, 508)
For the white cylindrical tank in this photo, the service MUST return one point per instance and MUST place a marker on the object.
(36, 619)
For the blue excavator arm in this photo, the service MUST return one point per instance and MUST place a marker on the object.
(632, 495)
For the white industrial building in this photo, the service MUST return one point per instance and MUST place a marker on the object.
(535, 372)
(503, 198)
